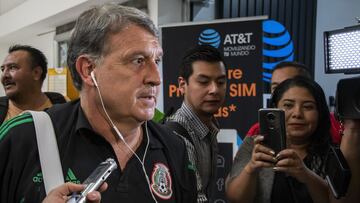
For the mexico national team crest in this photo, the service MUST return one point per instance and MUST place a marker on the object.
(161, 181)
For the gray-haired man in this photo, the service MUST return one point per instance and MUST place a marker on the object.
(113, 56)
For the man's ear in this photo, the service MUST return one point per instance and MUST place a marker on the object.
(36, 73)
(84, 66)
(182, 85)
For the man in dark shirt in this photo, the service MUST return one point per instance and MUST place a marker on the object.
(113, 58)
(22, 75)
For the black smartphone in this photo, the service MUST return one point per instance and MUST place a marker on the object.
(272, 127)
(95, 180)
(338, 173)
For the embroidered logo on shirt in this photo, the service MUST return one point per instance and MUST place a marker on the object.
(70, 177)
(38, 178)
(161, 181)
(191, 166)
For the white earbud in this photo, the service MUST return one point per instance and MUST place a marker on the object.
(92, 74)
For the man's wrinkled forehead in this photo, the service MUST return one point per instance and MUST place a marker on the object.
(154, 38)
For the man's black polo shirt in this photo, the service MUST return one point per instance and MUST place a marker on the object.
(81, 150)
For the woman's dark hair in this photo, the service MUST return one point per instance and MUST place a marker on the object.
(320, 140)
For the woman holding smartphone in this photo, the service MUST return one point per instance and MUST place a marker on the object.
(295, 174)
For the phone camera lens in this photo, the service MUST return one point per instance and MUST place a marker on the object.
(270, 116)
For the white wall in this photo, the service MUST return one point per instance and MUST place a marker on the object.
(6, 5)
(33, 22)
(331, 15)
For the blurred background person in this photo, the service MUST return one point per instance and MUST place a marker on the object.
(22, 75)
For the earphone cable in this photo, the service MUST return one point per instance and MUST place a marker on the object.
(126, 144)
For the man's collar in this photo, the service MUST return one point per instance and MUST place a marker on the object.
(83, 123)
(154, 142)
(197, 125)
